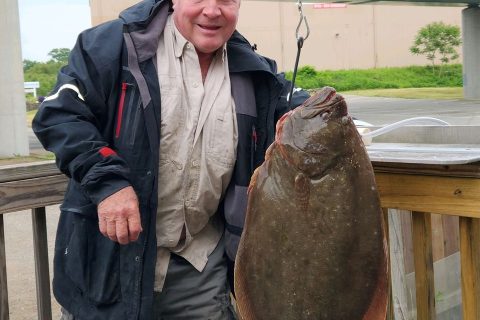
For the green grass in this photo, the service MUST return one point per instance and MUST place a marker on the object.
(380, 78)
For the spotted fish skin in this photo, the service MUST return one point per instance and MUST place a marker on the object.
(314, 244)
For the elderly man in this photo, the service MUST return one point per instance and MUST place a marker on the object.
(158, 120)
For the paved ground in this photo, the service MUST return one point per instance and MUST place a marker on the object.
(20, 263)
(378, 111)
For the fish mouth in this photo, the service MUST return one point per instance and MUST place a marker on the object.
(314, 114)
(322, 102)
(319, 116)
(321, 97)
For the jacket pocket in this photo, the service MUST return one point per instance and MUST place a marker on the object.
(129, 128)
(121, 105)
(92, 261)
(128, 102)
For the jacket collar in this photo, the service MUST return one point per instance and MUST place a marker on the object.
(242, 58)
(145, 22)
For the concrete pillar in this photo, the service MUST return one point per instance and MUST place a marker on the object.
(471, 52)
(13, 124)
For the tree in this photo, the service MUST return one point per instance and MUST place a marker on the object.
(45, 73)
(60, 55)
(27, 64)
(437, 39)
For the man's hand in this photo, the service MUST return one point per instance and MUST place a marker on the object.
(119, 216)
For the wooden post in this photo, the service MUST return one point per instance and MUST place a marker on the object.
(390, 313)
(397, 265)
(423, 257)
(42, 275)
(470, 264)
(4, 311)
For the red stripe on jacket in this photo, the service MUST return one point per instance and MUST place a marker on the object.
(106, 152)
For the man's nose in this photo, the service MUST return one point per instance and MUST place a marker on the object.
(212, 9)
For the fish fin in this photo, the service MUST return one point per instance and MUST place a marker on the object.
(302, 191)
(253, 180)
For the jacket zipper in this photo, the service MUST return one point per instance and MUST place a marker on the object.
(135, 122)
(253, 149)
(120, 109)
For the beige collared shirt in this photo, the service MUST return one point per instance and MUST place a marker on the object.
(197, 151)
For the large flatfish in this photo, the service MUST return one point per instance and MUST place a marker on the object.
(314, 244)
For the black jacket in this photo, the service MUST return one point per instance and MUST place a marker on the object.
(103, 124)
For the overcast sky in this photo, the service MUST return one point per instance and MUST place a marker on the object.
(50, 24)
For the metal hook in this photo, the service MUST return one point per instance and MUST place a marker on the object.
(303, 19)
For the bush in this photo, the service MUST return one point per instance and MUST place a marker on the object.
(31, 102)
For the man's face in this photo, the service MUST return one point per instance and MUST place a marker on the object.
(207, 24)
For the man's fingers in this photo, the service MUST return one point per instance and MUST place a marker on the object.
(122, 231)
(102, 225)
(122, 215)
(134, 226)
(111, 230)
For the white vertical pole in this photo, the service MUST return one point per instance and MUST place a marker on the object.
(471, 52)
(13, 128)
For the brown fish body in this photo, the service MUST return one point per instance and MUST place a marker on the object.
(314, 243)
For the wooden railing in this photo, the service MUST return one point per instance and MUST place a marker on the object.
(446, 190)
(422, 189)
(30, 186)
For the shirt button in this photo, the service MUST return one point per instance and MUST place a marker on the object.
(188, 46)
(137, 258)
(195, 84)
(149, 173)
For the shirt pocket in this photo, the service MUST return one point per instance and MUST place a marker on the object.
(222, 138)
(171, 110)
